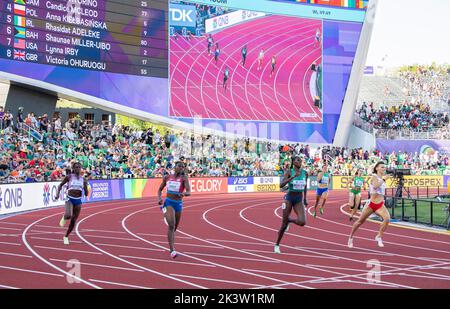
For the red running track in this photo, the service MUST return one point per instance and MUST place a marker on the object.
(196, 80)
(225, 241)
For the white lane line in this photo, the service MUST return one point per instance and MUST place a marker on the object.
(103, 231)
(419, 276)
(282, 274)
(202, 260)
(190, 245)
(356, 282)
(13, 223)
(130, 247)
(295, 254)
(10, 243)
(58, 240)
(436, 259)
(269, 242)
(123, 260)
(402, 264)
(383, 273)
(120, 284)
(29, 247)
(345, 251)
(240, 242)
(334, 267)
(31, 271)
(51, 227)
(10, 228)
(167, 261)
(98, 265)
(216, 280)
(68, 250)
(161, 235)
(232, 257)
(8, 287)
(298, 248)
(15, 254)
(110, 237)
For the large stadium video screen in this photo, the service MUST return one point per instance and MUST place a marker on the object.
(263, 62)
(114, 50)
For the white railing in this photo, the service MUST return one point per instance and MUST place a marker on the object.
(402, 134)
(26, 130)
(406, 134)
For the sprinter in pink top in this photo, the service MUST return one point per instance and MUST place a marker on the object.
(177, 187)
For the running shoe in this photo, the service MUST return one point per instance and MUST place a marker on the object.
(287, 228)
(276, 249)
(380, 241)
(321, 211)
(173, 254)
(315, 213)
(66, 240)
(350, 243)
(62, 222)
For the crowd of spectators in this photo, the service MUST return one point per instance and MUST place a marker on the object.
(425, 83)
(122, 152)
(417, 117)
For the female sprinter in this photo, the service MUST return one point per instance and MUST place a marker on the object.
(75, 186)
(296, 178)
(356, 184)
(377, 190)
(176, 183)
(323, 180)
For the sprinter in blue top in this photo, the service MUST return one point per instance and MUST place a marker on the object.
(295, 178)
(323, 184)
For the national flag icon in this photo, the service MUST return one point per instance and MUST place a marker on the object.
(19, 32)
(19, 21)
(19, 55)
(19, 43)
(19, 9)
(19, 1)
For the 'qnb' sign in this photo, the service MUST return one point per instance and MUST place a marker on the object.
(11, 197)
(182, 15)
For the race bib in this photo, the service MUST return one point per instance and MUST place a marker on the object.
(359, 183)
(173, 186)
(324, 179)
(298, 184)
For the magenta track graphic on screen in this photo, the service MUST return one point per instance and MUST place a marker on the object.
(251, 92)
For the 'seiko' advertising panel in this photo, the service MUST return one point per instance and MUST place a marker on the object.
(267, 184)
(343, 182)
(240, 184)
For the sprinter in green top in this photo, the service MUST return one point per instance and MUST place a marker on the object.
(323, 180)
(295, 178)
(356, 183)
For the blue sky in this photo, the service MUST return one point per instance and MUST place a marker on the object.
(411, 31)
